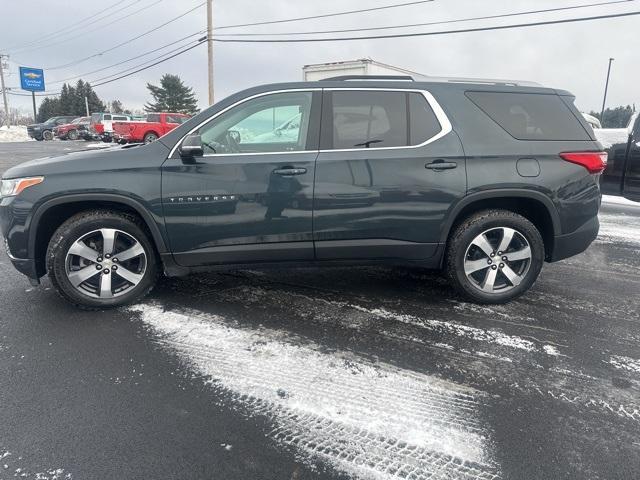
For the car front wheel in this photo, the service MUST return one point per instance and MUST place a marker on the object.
(101, 259)
(494, 256)
(47, 135)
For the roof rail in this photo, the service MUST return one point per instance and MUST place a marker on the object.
(370, 77)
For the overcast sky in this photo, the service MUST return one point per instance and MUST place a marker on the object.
(568, 56)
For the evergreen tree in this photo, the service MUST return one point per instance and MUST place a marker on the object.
(71, 102)
(95, 104)
(116, 106)
(617, 117)
(50, 107)
(171, 96)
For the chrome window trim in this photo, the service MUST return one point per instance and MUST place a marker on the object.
(445, 124)
(239, 102)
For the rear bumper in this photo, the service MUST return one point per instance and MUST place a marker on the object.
(565, 246)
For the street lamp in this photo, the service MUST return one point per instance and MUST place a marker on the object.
(606, 87)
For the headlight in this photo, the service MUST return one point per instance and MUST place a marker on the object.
(14, 186)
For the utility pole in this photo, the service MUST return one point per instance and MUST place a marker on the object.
(4, 89)
(86, 106)
(210, 48)
(606, 87)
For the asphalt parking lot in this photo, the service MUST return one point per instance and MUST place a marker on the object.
(340, 373)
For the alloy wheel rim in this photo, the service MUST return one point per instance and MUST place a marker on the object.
(105, 263)
(497, 260)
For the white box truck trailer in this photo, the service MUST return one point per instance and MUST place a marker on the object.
(364, 66)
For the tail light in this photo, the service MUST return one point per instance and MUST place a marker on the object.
(594, 162)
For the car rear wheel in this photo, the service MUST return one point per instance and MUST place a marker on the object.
(101, 259)
(47, 135)
(150, 137)
(494, 256)
(72, 135)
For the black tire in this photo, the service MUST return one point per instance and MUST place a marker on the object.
(459, 249)
(47, 135)
(83, 224)
(72, 135)
(150, 137)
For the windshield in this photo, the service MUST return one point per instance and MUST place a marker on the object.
(51, 120)
(95, 117)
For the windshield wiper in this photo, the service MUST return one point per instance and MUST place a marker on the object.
(367, 143)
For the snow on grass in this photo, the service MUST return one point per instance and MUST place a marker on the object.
(365, 418)
(14, 134)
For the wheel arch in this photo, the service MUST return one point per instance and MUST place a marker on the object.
(534, 206)
(51, 214)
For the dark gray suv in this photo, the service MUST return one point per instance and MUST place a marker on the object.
(485, 180)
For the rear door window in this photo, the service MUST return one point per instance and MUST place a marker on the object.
(375, 119)
(530, 116)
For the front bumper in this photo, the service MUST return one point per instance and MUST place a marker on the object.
(26, 266)
(565, 246)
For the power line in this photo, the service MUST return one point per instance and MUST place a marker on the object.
(442, 22)
(127, 60)
(73, 26)
(78, 61)
(65, 29)
(425, 34)
(145, 62)
(116, 20)
(326, 15)
(201, 41)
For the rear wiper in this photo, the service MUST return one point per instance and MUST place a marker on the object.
(367, 143)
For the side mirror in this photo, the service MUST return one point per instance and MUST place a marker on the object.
(191, 147)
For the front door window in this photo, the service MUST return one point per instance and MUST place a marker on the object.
(277, 122)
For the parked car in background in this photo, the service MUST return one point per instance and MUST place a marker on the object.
(102, 124)
(149, 130)
(44, 131)
(490, 179)
(71, 131)
(622, 175)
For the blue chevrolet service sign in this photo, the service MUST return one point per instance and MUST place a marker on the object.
(32, 79)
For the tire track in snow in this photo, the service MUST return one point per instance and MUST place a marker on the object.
(562, 380)
(370, 420)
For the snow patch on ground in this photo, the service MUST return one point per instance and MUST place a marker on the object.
(619, 227)
(10, 465)
(14, 134)
(625, 363)
(616, 200)
(98, 145)
(474, 333)
(367, 419)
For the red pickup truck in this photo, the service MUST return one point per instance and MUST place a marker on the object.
(155, 126)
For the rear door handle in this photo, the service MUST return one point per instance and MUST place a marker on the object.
(289, 171)
(441, 165)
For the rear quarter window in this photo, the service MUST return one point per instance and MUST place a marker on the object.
(530, 116)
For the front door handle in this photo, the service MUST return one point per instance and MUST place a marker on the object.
(441, 165)
(289, 171)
